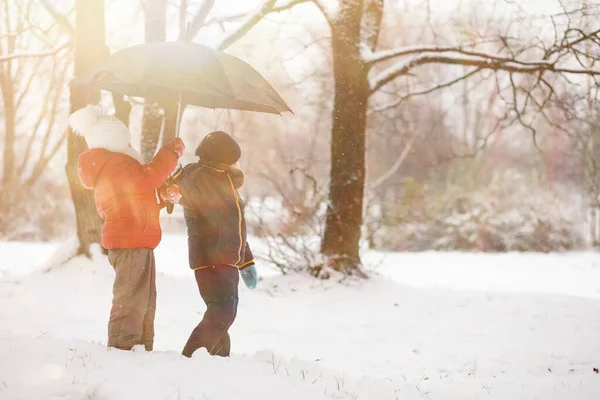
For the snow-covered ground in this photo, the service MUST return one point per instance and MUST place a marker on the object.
(431, 325)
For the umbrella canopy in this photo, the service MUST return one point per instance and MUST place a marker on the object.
(187, 73)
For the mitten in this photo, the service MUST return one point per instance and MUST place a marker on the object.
(170, 194)
(249, 276)
(176, 146)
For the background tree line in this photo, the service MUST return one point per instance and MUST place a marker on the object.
(414, 128)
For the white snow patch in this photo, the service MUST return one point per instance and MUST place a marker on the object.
(63, 254)
(446, 326)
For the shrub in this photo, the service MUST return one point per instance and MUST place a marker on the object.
(42, 212)
(511, 213)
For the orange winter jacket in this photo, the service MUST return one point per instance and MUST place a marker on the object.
(125, 193)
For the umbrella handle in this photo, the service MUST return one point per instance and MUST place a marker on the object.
(178, 119)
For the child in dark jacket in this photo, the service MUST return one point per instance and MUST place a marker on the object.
(218, 251)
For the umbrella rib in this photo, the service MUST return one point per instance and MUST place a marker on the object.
(224, 73)
(188, 71)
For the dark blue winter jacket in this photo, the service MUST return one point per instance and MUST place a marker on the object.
(214, 215)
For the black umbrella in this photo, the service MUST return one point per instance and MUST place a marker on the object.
(187, 73)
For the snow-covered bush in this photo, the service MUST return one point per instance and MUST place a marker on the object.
(511, 212)
(290, 231)
(41, 212)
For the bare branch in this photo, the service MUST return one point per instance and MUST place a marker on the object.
(183, 19)
(519, 114)
(249, 23)
(48, 100)
(287, 5)
(409, 144)
(236, 17)
(61, 19)
(372, 16)
(566, 45)
(371, 58)
(199, 19)
(426, 91)
(327, 12)
(407, 148)
(306, 46)
(28, 83)
(268, 7)
(53, 113)
(385, 55)
(492, 63)
(221, 20)
(40, 54)
(40, 168)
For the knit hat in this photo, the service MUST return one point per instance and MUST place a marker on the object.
(102, 131)
(219, 147)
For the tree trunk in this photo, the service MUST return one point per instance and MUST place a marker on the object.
(7, 88)
(9, 170)
(90, 48)
(8, 162)
(170, 128)
(347, 177)
(122, 108)
(155, 14)
(152, 121)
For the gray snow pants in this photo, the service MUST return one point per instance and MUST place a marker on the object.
(134, 299)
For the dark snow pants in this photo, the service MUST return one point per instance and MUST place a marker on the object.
(218, 287)
(134, 299)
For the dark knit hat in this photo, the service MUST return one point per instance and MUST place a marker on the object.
(219, 147)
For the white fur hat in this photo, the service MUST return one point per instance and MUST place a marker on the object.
(100, 130)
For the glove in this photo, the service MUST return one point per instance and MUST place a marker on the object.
(171, 181)
(174, 175)
(249, 276)
(170, 194)
(176, 146)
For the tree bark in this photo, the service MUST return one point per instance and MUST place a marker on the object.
(90, 48)
(7, 89)
(170, 128)
(122, 108)
(371, 22)
(348, 135)
(8, 96)
(152, 121)
(155, 19)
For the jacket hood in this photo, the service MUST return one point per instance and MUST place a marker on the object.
(102, 131)
(236, 175)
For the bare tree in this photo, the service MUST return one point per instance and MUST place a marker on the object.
(165, 114)
(360, 71)
(521, 70)
(358, 74)
(29, 132)
(90, 48)
(155, 20)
